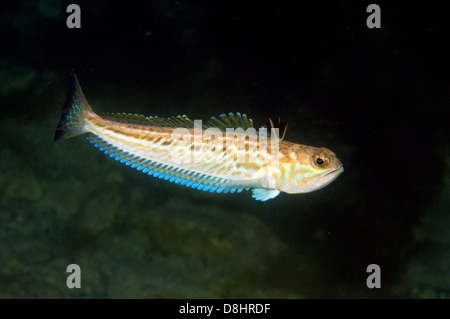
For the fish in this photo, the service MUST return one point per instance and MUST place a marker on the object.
(226, 154)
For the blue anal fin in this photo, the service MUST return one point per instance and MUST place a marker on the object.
(175, 175)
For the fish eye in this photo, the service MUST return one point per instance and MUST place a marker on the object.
(321, 160)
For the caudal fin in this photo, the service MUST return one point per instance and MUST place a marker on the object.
(75, 109)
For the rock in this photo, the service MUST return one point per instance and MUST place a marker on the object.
(65, 197)
(14, 77)
(428, 273)
(100, 211)
(21, 185)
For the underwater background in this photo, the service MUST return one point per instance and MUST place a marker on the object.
(379, 98)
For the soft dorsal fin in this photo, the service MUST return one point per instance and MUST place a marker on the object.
(281, 126)
(222, 122)
(229, 120)
(174, 121)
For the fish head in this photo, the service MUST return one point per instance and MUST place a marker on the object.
(313, 169)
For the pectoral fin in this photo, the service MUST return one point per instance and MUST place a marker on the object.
(264, 194)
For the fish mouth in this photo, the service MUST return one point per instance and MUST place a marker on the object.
(336, 171)
(329, 177)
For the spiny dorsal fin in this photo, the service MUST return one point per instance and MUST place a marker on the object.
(229, 120)
(174, 121)
(281, 126)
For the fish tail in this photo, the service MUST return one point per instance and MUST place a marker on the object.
(75, 110)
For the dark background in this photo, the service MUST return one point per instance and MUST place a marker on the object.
(377, 97)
